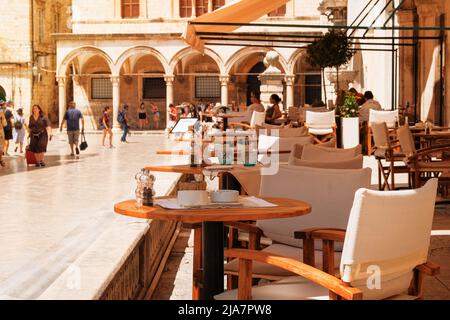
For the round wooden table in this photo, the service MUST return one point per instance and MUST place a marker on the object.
(225, 118)
(213, 229)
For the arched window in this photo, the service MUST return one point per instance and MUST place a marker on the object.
(201, 7)
(185, 8)
(218, 3)
(130, 9)
(280, 12)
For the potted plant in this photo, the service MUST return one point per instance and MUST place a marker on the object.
(350, 122)
(332, 50)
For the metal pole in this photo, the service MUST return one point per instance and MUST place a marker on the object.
(393, 107)
(441, 87)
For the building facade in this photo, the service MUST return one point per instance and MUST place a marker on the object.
(130, 51)
(28, 52)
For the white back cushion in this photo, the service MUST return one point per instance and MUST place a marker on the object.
(320, 120)
(390, 117)
(329, 191)
(258, 119)
(389, 231)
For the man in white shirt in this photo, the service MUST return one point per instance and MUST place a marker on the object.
(370, 103)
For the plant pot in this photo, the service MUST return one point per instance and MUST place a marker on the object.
(350, 132)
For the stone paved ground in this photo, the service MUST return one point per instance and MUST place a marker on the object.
(176, 280)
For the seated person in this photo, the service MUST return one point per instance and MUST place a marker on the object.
(274, 112)
(370, 103)
(256, 103)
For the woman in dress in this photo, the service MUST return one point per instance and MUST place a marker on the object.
(40, 131)
(156, 116)
(2, 135)
(107, 126)
(19, 130)
(274, 111)
(142, 116)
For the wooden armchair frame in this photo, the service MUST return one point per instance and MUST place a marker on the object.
(419, 163)
(338, 289)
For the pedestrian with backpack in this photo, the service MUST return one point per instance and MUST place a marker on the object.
(73, 117)
(122, 118)
(20, 129)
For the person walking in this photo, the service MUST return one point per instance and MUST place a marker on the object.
(8, 130)
(73, 117)
(40, 132)
(142, 116)
(123, 120)
(106, 123)
(2, 134)
(19, 131)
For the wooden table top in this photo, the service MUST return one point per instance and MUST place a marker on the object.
(433, 134)
(183, 168)
(173, 152)
(286, 208)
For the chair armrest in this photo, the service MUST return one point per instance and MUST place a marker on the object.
(255, 234)
(429, 268)
(323, 279)
(321, 234)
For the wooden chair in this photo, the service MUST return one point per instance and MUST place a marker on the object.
(376, 116)
(256, 119)
(321, 125)
(386, 149)
(371, 267)
(420, 162)
(330, 210)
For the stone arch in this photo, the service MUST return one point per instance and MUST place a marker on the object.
(144, 50)
(83, 50)
(298, 54)
(188, 51)
(243, 53)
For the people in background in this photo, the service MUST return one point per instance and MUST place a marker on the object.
(274, 111)
(8, 130)
(73, 117)
(40, 131)
(107, 123)
(359, 96)
(19, 132)
(370, 103)
(256, 103)
(173, 115)
(156, 116)
(142, 116)
(2, 133)
(123, 120)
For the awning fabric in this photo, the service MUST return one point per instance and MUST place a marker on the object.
(241, 11)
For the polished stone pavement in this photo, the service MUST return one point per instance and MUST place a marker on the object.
(51, 216)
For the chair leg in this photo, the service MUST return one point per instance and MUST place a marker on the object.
(369, 141)
(197, 264)
(392, 175)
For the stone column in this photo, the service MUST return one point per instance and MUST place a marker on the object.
(116, 100)
(271, 79)
(194, 12)
(224, 79)
(429, 12)
(290, 81)
(406, 57)
(169, 95)
(61, 97)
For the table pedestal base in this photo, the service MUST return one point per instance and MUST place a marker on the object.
(213, 260)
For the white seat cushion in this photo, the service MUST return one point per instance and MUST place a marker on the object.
(320, 132)
(291, 288)
(265, 271)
